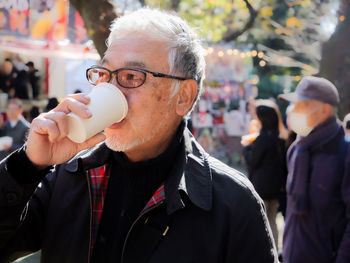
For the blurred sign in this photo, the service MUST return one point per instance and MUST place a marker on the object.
(14, 17)
(50, 20)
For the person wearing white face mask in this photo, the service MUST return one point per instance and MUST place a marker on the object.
(317, 227)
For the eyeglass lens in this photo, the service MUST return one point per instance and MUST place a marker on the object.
(126, 77)
(130, 78)
(97, 75)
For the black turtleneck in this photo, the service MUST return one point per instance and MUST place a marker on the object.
(130, 187)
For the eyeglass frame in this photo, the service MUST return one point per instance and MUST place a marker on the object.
(144, 71)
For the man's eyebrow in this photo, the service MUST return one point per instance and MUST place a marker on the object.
(138, 64)
(135, 64)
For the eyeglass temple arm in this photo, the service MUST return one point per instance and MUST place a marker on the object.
(167, 76)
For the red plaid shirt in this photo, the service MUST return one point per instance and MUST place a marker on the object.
(99, 178)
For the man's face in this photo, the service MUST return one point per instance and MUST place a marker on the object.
(7, 67)
(13, 111)
(151, 114)
(315, 110)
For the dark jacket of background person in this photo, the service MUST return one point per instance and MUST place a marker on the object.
(33, 77)
(8, 76)
(266, 164)
(214, 213)
(21, 90)
(317, 228)
(265, 157)
(18, 134)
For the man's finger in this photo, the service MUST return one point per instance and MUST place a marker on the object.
(61, 121)
(47, 127)
(80, 97)
(71, 105)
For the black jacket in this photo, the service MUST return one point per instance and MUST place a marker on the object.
(211, 214)
(266, 161)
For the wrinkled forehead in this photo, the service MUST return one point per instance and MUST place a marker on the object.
(136, 51)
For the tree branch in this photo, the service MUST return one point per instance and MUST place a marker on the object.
(175, 4)
(98, 16)
(142, 2)
(229, 36)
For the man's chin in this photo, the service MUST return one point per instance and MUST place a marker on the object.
(118, 146)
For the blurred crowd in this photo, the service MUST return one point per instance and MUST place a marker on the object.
(20, 80)
(14, 124)
(297, 162)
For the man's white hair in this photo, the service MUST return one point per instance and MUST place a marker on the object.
(185, 57)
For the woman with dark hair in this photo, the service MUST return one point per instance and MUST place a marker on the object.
(265, 158)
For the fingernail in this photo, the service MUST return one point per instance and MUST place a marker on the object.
(87, 113)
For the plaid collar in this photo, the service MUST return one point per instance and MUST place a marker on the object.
(99, 178)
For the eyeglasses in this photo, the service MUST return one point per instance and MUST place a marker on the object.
(126, 77)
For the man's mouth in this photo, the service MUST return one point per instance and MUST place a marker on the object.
(117, 125)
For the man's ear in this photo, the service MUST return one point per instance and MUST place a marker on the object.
(186, 96)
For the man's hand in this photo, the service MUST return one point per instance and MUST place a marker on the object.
(47, 143)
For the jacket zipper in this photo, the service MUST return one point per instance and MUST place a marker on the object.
(90, 199)
(133, 224)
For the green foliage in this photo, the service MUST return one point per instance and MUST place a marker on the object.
(289, 32)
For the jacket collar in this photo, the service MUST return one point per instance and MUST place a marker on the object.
(191, 174)
(90, 158)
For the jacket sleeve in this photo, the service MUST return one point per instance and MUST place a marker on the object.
(343, 254)
(251, 238)
(23, 203)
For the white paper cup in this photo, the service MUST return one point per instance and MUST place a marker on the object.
(107, 105)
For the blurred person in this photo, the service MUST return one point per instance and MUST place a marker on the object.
(21, 90)
(33, 113)
(317, 225)
(15, 127)
(8, 77)
(147, 191)
(346, 124)
(283, 132)
(255, 124)
(206, 141)
(77, 91)
(34, 77)
(51, 104)
(18, 62)
(248, 116)
(290, 139)
(234, 129)
(265, 158)
(292, 135)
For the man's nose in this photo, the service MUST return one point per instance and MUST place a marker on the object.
(114, 80)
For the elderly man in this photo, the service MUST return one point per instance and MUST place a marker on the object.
(317, 228)
(15, 128)
(149, 192)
